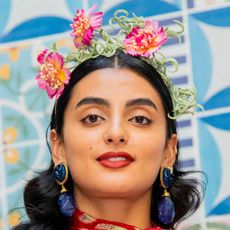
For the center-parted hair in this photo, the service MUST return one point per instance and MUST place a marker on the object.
(41, 193)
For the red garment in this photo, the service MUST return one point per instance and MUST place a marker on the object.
(82, 221)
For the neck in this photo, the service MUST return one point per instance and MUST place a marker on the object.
(132, 211)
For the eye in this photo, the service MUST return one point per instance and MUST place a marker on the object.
(92, 118)
(142, 120)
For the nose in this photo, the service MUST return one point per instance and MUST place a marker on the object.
(116, 133)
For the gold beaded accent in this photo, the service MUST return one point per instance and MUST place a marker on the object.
(166, 193)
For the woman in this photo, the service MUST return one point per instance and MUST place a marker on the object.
(113, 134)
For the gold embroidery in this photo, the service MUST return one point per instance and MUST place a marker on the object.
(86, 219)
(109, 227)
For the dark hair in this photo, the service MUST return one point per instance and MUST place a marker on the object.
(41, 193)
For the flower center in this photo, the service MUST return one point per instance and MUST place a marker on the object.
(144, 39)
(50, 74)
(81, 24)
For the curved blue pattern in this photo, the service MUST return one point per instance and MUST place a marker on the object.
(219, 100)
(222, 208)
(209, 153)
(218, 17)
(39, 26)
(139, 8)
(5, 7)
(220, 121)
(201, 59)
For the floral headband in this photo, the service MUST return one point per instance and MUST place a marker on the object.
(136, 37)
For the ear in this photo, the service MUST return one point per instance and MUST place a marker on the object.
(170, 152)
(57, 148)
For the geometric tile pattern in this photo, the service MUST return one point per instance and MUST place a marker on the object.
(203, 54)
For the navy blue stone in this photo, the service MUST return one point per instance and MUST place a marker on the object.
(167, 177)
(166, 210)
(66, 203)
(60, 172)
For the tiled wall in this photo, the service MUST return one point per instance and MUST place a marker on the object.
(28, 26)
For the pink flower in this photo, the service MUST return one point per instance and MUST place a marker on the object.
(145, 41)
(84, 25)
(52, 76)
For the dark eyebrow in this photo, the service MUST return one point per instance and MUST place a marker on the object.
(141, 101)
(93, 100)
(103, 102)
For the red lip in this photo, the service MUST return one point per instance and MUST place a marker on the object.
(105, 159)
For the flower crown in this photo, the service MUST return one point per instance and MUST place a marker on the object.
(136, 37)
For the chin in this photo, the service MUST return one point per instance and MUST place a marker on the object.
(119, 189)
(116, 193)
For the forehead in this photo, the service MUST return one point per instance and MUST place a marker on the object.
(115, 85)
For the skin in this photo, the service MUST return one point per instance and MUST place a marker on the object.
(119, 124)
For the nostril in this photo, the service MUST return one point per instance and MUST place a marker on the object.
(112, 140)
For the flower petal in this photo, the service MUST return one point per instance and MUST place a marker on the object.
(51, 92)
(57, 60)
(78, 42)
(41, 56)
(53, 75)
(91, 9)
(41, 83)
(95, 20)
(88, 35)
(148, 23)
(156, 27)
(84, 25)
(59, 92)
(67, 75)
(145, 41)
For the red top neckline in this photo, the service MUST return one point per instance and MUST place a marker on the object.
(82, 221)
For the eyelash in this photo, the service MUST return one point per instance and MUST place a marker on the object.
(147, 120)
(86, 120)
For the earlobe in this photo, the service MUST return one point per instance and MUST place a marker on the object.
(170, 152)
(58, 153)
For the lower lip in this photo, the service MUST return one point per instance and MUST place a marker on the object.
(114, 164)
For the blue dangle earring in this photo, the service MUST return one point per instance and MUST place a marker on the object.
(65, 199)
(166, 209)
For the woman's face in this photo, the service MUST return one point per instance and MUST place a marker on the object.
(114, 135)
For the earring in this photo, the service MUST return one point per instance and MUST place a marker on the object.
(166, 209)
(65, 199)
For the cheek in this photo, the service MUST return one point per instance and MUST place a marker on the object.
(150, 153)
(151, 161)
(78, 158)
(78, 141)
(151, 144)
(80, 151)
